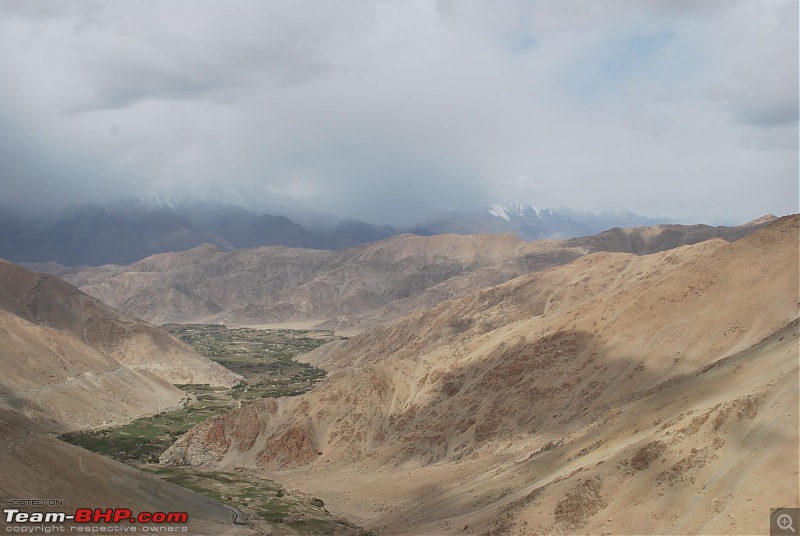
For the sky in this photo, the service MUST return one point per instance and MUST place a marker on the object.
(386, 110)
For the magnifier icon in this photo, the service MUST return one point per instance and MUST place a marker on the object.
(785, 522)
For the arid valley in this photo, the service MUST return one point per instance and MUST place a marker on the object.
(624, 383)
(400, 268)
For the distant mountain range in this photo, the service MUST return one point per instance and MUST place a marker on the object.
(357, 287)
(130, 230)
(532, 223)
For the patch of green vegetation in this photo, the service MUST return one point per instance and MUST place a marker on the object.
(266, 360)
(257, 497)
(264, 357)
(145, 439)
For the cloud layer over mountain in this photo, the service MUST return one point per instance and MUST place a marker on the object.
(383, 110)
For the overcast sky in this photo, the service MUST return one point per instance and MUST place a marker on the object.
(383, 110)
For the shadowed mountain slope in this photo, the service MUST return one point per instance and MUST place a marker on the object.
(131, 229)
(70, 362)
(617, 393)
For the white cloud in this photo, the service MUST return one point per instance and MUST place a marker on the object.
(383, 110)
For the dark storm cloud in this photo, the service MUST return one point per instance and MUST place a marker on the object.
(386, 110)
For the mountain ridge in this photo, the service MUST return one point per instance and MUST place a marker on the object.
(354, 287)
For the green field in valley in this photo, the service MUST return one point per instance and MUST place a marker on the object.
(265, 358)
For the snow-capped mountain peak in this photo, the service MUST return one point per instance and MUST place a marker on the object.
(535, 223)
(514, 211)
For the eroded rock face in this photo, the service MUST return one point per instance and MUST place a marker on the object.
(236, 432)
(417, 388)
(291, 448)
(646, 455)
(246, 433)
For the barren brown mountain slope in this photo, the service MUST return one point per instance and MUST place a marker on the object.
(35, 465)
(358, 287)
(617, 394)
(72, 362)
(50, 376)
(47, 301)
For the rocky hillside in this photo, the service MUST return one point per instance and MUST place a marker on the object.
(617, 393)
(73, 362)
(357, 287)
